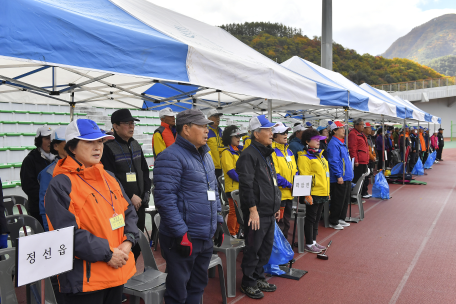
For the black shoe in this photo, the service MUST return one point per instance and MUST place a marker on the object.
(286, 264)
(252, 292)
(265, 286)
(124, 298)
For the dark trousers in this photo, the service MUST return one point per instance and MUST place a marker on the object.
(413, 159)
(358, 172)
(284, 223)
(424, 156)
(340, 197)
(257, 251)
(38, 217)
(439, 153)
(141, 224)
(111, 295)
(55, 285)
(187, 277)
(313, 214)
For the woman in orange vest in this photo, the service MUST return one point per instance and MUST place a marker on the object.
(85, 196)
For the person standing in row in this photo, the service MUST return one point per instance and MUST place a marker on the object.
(295, 140)
(32, 165)
(312, 162)
(414, 147)
(423, 146)
(324, 142)
(246, 140)
(286, 169)
(188, 202)
(359, 151)
(214, 140)
(230, 155)
(260, 204)
(83, 195)
(441, 142)
(124, 157)
(341, 176)
(44, 177)
(372, 156)
(165, 135)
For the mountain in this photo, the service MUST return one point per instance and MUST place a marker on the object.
(279, 43)
(432, 43)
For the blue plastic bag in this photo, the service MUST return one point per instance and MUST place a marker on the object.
(430, 160)
(281, 253)
(380, 189)
(397, 169)
(418, 169)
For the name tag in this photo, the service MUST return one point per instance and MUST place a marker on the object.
(288, 158)
(275, 181)
(327, 174)
(131, 177)
(117, 221)
(211, 195)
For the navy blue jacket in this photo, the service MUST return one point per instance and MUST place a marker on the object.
(181, 177)
(339, 161)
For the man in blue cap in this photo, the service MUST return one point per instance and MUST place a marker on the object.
(260, 203)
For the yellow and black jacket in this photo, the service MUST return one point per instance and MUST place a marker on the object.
(230, 155)
(316, 165)
(286, 168)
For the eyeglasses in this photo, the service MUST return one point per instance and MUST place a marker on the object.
(237, 136)
(130, 123)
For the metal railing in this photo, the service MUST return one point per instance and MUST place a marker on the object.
(418, 84)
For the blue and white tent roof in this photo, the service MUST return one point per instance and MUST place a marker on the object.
(113, 52)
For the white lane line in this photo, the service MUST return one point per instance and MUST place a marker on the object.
(237, 299)
(406, 276)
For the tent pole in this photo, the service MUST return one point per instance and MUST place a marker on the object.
(404, 160)
(383, 137)
(72, 105)
(346, 129)
(54, 79)
(270, 110)
(326, 36)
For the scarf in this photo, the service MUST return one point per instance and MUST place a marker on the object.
(49, 156)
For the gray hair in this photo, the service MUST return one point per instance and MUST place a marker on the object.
(358, 121)
(252, 134)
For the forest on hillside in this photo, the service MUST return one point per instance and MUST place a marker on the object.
(279, 43)
(445, 64)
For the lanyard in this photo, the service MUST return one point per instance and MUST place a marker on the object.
(129, 163)
(269, 166)
(110, 203)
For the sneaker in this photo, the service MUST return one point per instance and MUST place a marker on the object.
(234, 236)
(343, 223)
(265, 286)
(312, 249)
(320, 246)
(252, 292)
(337, 227)
(367, 196)
(124, 298)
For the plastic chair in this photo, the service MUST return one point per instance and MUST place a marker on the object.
(9, 201)
(356, 193)
(216, 261)
(149, 285)
(223, 197)
(7, 267)
(15, 223)
(231, 248)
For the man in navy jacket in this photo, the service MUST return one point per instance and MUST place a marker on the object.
(189, 206)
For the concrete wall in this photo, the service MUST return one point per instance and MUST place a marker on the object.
(443, 108)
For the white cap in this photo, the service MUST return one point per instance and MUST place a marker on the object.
(299, 127)
(166, 112)
(280, 128)
(43, 131)
(213, 112)
(238, 132)
(260, 122)
(58, 134)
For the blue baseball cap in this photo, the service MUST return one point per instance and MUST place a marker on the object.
(84, 129)
(320, 128)
(308, 124)
(260, 122)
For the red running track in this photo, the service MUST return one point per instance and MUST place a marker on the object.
(400, 253)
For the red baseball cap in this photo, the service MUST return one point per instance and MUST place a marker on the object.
(367, 125)
(336, 125)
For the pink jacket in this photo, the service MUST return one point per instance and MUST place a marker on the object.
(434, 142)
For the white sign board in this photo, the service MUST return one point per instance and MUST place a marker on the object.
(43, 255)
(302, 184)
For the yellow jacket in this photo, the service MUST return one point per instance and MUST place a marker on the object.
(214, 141)
(246, 139)
(286, 169)
(317, 166)
(229, 159)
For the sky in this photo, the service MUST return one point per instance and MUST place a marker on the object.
(365, 26)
